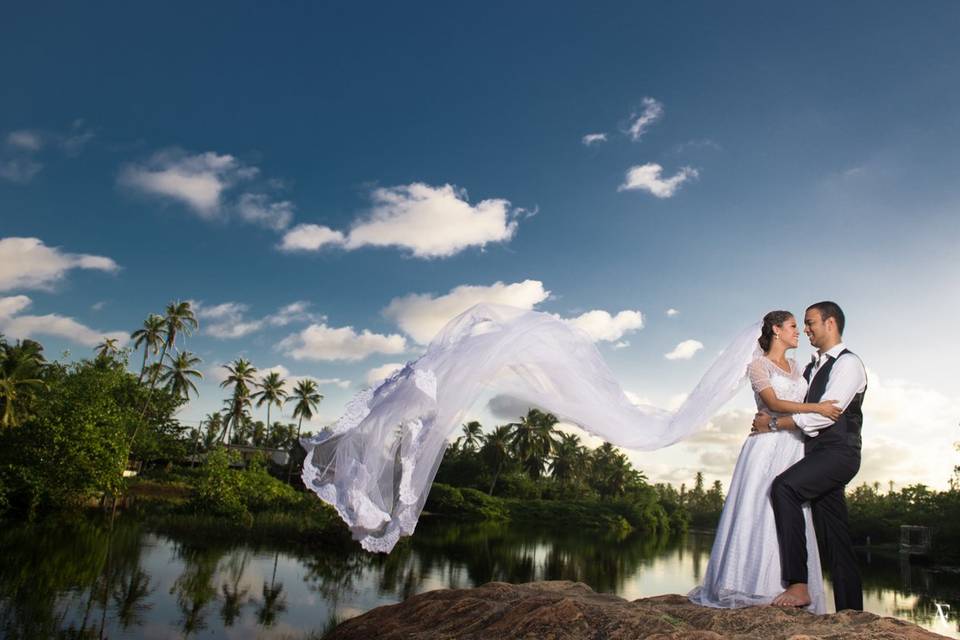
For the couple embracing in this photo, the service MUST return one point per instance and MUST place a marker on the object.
(788, 483)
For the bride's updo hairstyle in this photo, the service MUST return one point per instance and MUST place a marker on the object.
(771, 320)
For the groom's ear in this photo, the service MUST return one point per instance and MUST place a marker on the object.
(831, 323)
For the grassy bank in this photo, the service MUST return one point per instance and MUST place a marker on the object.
(617, 516)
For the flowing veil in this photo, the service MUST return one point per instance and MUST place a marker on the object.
(375, 465)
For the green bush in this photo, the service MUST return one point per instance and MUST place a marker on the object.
(74, 444)
(584, 514)
(260, 491)
(237, 494)
(219, 489)
(444, 499)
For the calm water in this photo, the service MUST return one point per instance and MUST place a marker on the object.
(80, 580)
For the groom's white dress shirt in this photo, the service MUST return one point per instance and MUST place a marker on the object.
(847, 379)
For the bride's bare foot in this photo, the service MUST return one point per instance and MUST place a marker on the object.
(796, 595)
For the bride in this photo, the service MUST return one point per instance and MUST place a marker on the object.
(744, 566)
(375, 465)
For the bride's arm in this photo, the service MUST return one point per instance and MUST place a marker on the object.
(827, 408)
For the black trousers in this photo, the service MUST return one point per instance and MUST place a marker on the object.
(819, 478)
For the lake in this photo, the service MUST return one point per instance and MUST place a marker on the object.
(79, 578)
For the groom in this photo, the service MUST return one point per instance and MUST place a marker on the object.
(831, 459)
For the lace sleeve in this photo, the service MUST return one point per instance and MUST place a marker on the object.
(759, 375)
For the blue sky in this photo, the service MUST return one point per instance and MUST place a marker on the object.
(804, 153)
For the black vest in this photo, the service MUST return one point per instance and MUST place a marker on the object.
(845, 432)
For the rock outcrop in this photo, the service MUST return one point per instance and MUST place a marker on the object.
(564, 610)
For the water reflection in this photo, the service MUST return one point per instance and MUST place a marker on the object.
(85, 579)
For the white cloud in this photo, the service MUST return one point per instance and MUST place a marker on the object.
(27, 263)
(685, 350)
(19, 170)
(238, 329)
(646, 177)
(77, 138)
(639, 123)
(594, 138)
(310, 237)
(223, 311)
(13, 305)
(320, 342)
(421, 316)
(26, 140)
(229, 318)
(197, 180)
(293, 312)
(432, 222)
(601, 326)
(623, 344)
(672, 313)
(290, 380)
(18, 157)
(384, 371)
(259, 209)
(18, 327)
(636, 399)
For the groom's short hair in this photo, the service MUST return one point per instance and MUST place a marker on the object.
(829, 309)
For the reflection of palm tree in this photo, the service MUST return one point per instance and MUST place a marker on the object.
(195, 590)
(128, 598)
(273, 602)
(234, 597)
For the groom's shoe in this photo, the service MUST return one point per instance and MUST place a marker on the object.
(796, 595)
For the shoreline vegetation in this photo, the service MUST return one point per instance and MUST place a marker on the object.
(68, 431)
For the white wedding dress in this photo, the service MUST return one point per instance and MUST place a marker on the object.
(744, 566)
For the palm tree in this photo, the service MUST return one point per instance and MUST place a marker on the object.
(611, 473)
(151, 336)
(242, 376)
(179, 319)
(496, 448)
(21, 365)
(307, 399)
(533, 440)
(213, 422)
(108, 348)
(568, 458)
(472, 436)
(271, 392)
(176, 376)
